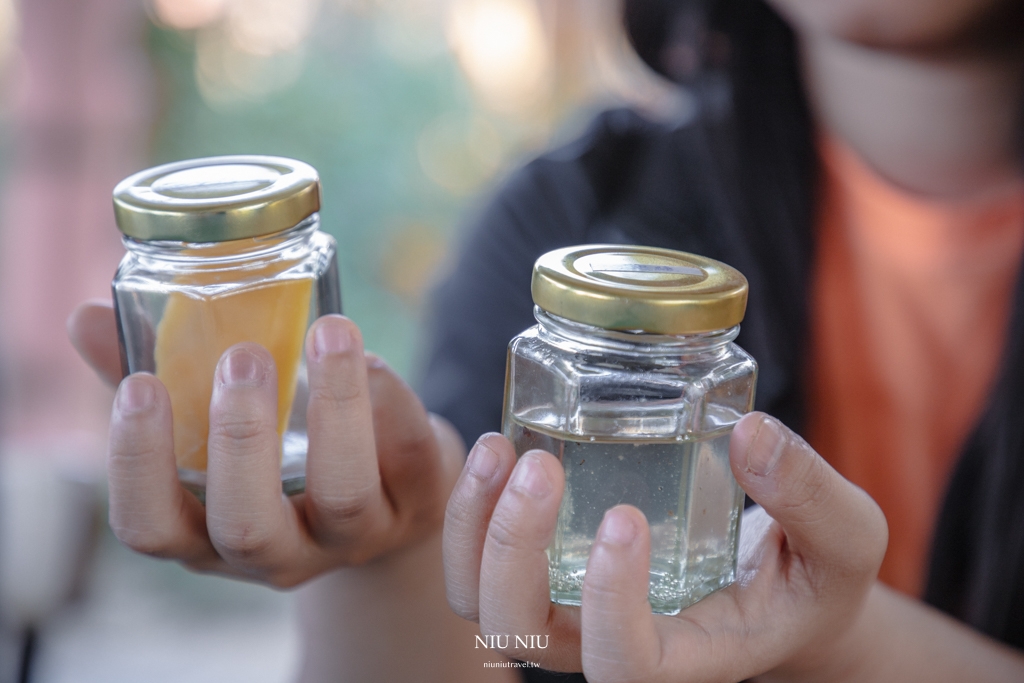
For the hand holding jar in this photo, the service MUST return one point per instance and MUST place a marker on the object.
(625, 408)
(808, 558)
(232, 403)
(379, 468)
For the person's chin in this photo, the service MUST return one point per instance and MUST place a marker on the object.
(902, 25)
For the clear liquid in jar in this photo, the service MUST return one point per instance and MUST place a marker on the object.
(684, 487)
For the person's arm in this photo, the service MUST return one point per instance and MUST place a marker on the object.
(899, 639)
(389, 621)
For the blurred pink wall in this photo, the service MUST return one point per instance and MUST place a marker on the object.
(80, 110)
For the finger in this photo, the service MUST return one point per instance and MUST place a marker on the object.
(344, 499)
(413, 474)
(619, 638)
(514, 589)
(149, 510)
(93, 332)
(246, 513)
(810, 500)
(467, 516)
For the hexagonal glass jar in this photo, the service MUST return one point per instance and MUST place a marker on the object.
(221, 251)
(636, 416)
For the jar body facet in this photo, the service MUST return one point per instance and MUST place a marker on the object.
(180, 305)
(643, 420)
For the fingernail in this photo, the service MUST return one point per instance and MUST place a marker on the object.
(617, 528)
(243, 367)
(766, 447)
(331, 337)
(482, 462)
(530, 478)
(374, 362)
(134, 396)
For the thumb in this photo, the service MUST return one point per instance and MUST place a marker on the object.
(93, 332)
(825, 517)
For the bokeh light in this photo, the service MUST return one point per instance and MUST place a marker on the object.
(227, 76)
(188, 14)
(268, 27)
(501, 46)
(8, 30)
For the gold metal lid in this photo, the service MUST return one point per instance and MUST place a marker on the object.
(216, 199)
(621, 287)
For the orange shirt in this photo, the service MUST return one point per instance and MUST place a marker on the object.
(910, 303)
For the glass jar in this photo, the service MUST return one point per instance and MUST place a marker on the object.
(631, 378)
(220, 251)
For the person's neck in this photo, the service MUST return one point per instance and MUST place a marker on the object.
(938, 124)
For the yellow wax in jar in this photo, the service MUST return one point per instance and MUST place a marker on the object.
(195, 331)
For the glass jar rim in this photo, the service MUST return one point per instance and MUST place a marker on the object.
(633, 341)
(225, 252)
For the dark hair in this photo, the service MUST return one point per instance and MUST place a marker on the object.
(764, 156)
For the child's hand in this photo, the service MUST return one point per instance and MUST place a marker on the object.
(379, 468)
(807, 562)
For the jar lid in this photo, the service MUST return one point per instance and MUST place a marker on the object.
(622, 287)
(216, 199)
